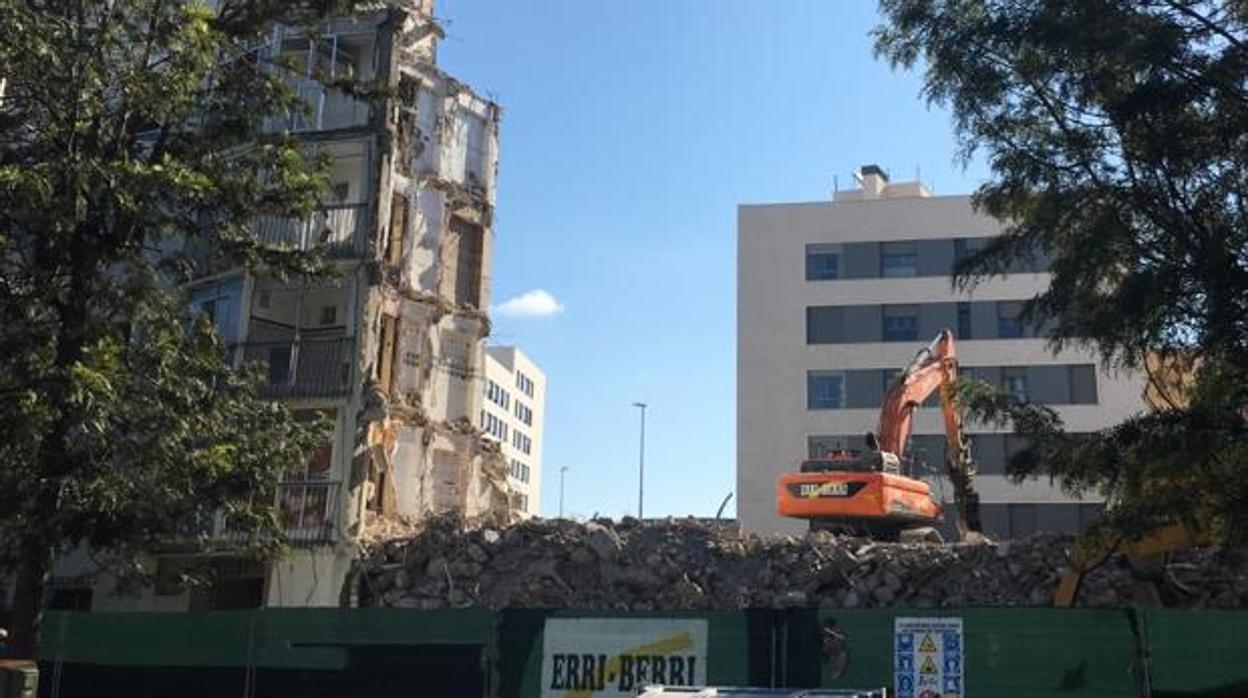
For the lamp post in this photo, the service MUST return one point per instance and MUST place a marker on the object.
(562, 470)
(641, 462)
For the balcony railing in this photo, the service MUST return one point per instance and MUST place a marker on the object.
(326, 108)
(339, 228)
(304, 368)
(307, 510)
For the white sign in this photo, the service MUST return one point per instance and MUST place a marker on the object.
(927, 658)
(598, 657)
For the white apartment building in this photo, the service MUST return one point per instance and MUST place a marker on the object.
(834, 297)
(513, 413)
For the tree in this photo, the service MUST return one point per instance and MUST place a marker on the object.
(131, 130)
(1117, 136)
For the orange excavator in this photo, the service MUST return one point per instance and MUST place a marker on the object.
(866, 493)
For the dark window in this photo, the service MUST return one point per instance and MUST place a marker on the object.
(279, 364)
(899, 259)
(1009, 326)
(901, 323)
(1083, 384)
(824, 325)
(820, 446)
(825, 390)
(822, 262)
(964, 321)
(1014, 382)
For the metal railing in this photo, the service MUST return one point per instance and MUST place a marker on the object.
(340, 228)
(304, 368)
(321, 108)
(307, 510)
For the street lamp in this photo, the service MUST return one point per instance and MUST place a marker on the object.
(641, 461)
(562, 470)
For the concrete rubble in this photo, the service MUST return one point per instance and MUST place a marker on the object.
(688, 564)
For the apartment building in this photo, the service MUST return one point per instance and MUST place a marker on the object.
(834, 297)
(391, 351)
(514, 413)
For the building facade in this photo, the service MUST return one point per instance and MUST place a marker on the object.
(391, 351)
(834, 298)
(514, 413)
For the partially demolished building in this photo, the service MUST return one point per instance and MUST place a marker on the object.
(391, 350)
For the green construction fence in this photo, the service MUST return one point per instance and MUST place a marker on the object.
(309, 653)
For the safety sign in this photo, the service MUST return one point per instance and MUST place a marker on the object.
(927, 658)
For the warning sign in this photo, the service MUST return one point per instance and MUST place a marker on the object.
(928, 658)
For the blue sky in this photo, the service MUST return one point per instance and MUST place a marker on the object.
(631, 132)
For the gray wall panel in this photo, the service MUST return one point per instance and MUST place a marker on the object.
(863, 323)
(984, 319)
(825, 324)
(934, 317)
(1024, 519)
(1048, 385)
(988, 450)
(935, 257)
(996, 520)
(863, 389)
(1057, 518)
(861, 260)
(1083, 384)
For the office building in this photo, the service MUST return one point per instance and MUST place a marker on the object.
(834, 297)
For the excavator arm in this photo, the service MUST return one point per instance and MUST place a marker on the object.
(935, 367)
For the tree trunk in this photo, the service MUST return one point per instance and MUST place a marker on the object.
(30, 597)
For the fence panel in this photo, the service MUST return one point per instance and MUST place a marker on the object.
(1193, 653)
(1008, 652)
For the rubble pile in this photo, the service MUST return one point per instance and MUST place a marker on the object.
(687, 564)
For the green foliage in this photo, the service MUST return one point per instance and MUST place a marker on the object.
(1117, 134)
(132, 131)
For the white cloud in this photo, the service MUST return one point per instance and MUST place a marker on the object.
(535, 303)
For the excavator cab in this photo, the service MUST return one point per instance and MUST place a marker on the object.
(850, 461)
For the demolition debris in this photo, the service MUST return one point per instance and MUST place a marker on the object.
(689, 564)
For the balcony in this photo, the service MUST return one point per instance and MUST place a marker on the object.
(307, 510)
(305, 367)
(327, 109)
(340, 229)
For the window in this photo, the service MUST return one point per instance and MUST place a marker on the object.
(822, 262)
(524, 414)
(519, 471)
(964, 321)
(825, 390)
(901, 323)
(899, 259)
(1009, 326)
(329, 314)
(524, 384)
(521, 442)
(1014, 382)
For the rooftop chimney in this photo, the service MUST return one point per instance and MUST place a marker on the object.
(873, 179)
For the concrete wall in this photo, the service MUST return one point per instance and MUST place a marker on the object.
(773, 422)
